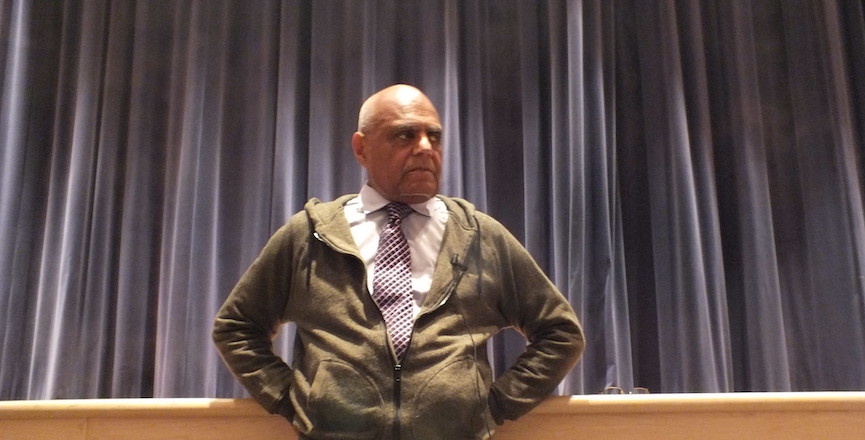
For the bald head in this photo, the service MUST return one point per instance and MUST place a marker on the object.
(398, 142)
(399, 94)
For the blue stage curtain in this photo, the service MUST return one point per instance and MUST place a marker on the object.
(689, 173)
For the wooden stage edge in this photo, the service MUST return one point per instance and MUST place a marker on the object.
(700, 416)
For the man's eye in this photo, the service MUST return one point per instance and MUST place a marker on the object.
(434, 137)
(405, 135)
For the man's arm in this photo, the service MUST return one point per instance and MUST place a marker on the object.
(537, 309)
(249, 320)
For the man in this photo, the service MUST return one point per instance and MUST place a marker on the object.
(454, 274)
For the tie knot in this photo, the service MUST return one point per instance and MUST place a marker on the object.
(397, 211)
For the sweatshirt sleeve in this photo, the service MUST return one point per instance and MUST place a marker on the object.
(535, 308)
(249, 320)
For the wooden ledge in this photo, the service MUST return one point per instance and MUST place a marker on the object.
(704, 402)
(124, 408)
(743, 416)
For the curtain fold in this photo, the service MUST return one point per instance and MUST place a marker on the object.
(689, 174)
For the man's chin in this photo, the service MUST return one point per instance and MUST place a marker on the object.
(415, 197)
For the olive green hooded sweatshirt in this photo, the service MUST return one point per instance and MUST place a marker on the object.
(345, 382)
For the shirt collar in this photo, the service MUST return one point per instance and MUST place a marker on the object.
(371, 201)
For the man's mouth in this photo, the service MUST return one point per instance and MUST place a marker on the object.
(422, 169)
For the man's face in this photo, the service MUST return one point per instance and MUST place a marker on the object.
(401, 148)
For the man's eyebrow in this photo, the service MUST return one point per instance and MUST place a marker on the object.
(414, 126)
(432, 128)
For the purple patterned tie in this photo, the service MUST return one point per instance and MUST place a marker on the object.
(391, 282)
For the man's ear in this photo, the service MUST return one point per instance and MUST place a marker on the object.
(358, 147)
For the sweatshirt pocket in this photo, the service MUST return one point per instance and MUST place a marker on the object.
(343, 403)
(452, 404)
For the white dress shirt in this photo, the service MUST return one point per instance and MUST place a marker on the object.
(423, 230)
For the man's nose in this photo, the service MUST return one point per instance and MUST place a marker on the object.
(424, 144)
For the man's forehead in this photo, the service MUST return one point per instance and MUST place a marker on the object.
(419, 113)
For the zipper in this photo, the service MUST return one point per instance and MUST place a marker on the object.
(397, 400)
(331, 245)
(397, 366)
(458, 271)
